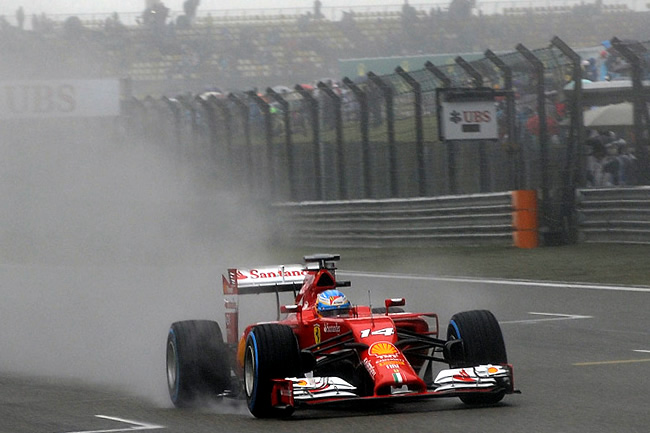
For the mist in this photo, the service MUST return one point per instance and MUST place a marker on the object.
(104, 244)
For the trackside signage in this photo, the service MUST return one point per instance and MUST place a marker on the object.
(475, 120)
(59, 98)
(467, 113)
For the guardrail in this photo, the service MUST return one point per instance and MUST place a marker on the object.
(616, 215)
(470, 219)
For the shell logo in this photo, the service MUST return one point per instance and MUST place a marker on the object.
(382, 348)
(317, 336)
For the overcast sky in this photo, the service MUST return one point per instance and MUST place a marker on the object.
(8, 7)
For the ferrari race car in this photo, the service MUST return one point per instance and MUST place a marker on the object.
(324, 350)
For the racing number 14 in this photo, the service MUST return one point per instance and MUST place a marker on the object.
(386, 331)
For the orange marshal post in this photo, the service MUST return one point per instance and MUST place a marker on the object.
(524, 219)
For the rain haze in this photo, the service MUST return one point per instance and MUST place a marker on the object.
(103, 248)
(106, 238)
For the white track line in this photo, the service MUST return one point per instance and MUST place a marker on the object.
(135, 426)
(529, 283)
(548, 319)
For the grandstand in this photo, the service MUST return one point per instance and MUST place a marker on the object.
(242, 51)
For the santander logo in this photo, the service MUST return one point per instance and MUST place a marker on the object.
(256, 274)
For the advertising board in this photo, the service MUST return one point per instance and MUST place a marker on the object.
(59, 98)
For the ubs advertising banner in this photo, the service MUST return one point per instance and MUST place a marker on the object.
(59, 98)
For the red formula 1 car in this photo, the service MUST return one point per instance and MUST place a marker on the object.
(327, 351)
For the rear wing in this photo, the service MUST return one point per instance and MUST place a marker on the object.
(270, 279)
(283, 278)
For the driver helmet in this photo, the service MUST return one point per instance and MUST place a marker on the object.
(332, 303)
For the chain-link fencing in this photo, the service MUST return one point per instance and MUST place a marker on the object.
(377, 137)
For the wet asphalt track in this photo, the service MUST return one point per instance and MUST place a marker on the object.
(581, 362)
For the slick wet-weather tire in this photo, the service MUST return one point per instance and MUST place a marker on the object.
(482, 343)
(271, 353)
(197, 362)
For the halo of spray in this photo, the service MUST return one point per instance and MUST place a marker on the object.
(104, 244)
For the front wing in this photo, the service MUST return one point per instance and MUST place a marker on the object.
(455, 382)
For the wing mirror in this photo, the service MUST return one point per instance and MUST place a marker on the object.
(394, 302)
(286, 309)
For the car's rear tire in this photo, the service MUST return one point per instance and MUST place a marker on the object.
(197, 362)
(271, 352)
(482, 344)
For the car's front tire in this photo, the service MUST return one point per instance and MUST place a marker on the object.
(271, 352)
(197, 362)
(482, 343)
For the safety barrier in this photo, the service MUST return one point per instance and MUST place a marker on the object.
(477, 219)
(616, 215)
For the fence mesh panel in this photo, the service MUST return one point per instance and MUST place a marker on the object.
(378, 137)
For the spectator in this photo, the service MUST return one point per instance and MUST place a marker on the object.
(20, 18)
(409, 14)
(155, 16)
(611, 165)
(602, 66)
(595, 172)
(189, 7)
(317, 10)
(461, 9)
(627, 164)
(591, 69)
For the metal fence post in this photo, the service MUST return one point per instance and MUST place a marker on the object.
(514, 150)
(227, 120)
(338, 119)
(538, 70)
(268, 137)
(484, 168)
(574, 165)
(471, 71)
(640, 109)
(387, 91)
(451, 147)
(187, 104)
(212, 127)
(315, 122)
(419, 129)
(176, 112)
(365, 135)
(286, 118)
(441, 76)
(244, 112)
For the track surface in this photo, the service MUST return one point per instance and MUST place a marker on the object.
(581, 357)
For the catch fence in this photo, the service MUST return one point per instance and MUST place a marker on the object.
(377, 137)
